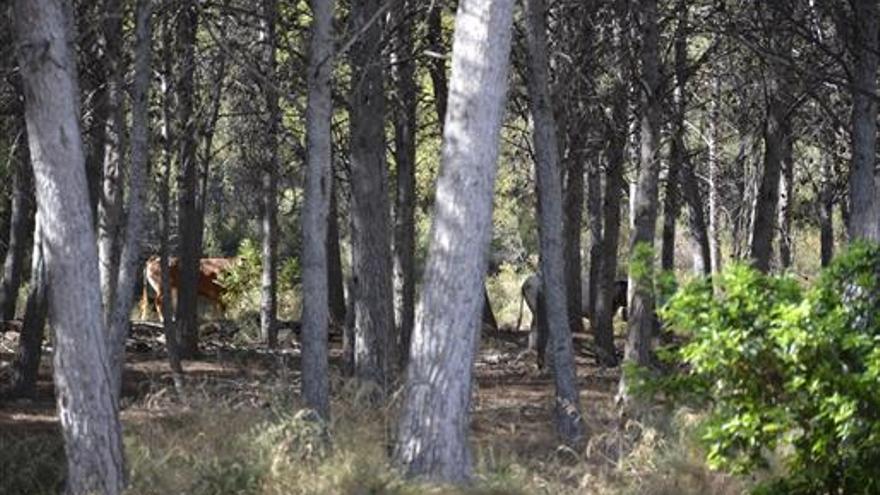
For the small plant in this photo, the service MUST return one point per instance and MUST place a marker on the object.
(787, 372)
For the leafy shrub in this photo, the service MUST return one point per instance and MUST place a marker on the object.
(787, 371)
(242, 281)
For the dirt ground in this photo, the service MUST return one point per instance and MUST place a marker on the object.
(511, 411)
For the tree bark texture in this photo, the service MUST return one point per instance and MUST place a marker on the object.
(89, 415)
(316, 208)
(187, 213)
(370, 212)
(269, 279)
(434, 421)
(405, 191)
(568, 419)
(21, 226)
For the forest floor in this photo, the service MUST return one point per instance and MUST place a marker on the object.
(231, 429)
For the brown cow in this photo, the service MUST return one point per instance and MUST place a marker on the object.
(208, 285)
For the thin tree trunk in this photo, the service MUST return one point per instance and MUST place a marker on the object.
(826, 209)
(671, 208)
(641, 265)
(714, 177)
(603, 321)
(786, 200)
(864, 215)
(21, 225)
(594, 215)
(678, 155)
(434, 421)
(187, 224)
(568, 419)
(88, 414)
(699, 234)
(269, 280)
(335, 279)
(172, 340)
(26, 366)
(110, 206)
(371, 232)
(318, 189)
(405, 190)
(137, 193)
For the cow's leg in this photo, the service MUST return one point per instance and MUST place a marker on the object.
(158, 305)
(145, 302)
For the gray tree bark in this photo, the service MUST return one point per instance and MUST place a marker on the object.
(786, 200)
(187, 223)
(602, 323)
(568, 419)
(405, 190)
(370, 212)
(863, 194)
(714, 176)
(130, 258)
(26, 365)
(335, 279)
(269, 279)
(594, 216)
(826, 209)
(172, 340)
(89, 415)
(110, 213)
(21, 225)
(432, 442)
(641, 266)
(318, 188)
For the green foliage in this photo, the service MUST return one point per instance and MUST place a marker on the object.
(788, 372)
(241, 282)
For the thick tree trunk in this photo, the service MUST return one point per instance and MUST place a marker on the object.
(641, 264)
(316, 207)
(137, 194)
(187, 223)
(671, 208)
(405, 190)
(568, 419)
(434, 421)
(110, 205)
(89, 415)
(269, 280)
(27, 361)
(21, 225)
(371, 232)
(699, 234)
(678, 154)
(863, 195)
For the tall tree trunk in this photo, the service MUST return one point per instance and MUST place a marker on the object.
(335, 279)
(172, 340)
(26, 366)
(89, 415)
(641, 265)
(786, 200)
(405, 190)
(371, 232)
(864, 216)
(110, 206)
(269, 281)
(826, 209)
(776, 133)
(21, 225)
(437, 71)
(594, 215)
(187, 223)
(671, 208)
(602, 322)
(318, 189)
(699, 234)
(714, 176)
(137, 193)
(568, 419)
(434, 422)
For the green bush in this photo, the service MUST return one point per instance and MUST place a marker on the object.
(242, 281)
(788, 372)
